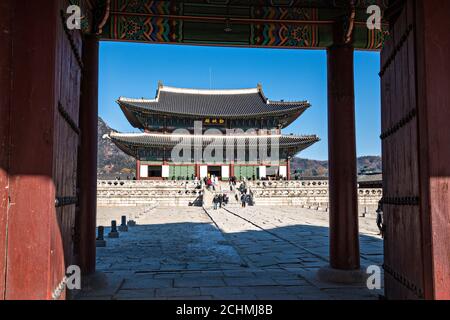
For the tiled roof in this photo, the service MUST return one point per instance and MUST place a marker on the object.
(156, 139)
(131, 141)
(220, 103)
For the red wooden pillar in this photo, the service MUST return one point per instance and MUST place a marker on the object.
(197, 170)
(87, 174)
(344, 241)
(288, 169)
(138, 169)
(164, 157)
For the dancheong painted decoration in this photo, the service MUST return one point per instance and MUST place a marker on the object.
(271, 24)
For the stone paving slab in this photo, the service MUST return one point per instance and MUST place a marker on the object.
(199, 282)
(143, 294)
(313, 233)
(144, 282)
(187, 253)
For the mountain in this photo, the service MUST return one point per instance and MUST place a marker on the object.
(369, 164)
(316, 168)
(112, 162)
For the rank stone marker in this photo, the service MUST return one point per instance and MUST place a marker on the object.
(114, 233)
(123, 226)
(100, 241)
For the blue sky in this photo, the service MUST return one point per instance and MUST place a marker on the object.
(133, 70)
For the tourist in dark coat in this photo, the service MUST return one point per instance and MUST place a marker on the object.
(243, 200)
(248, 199)
(216, 201)
(380, 219)
(220, 200)
(225, 199)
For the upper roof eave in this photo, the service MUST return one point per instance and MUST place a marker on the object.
(145, 138)
(249, 103)
(293, 107)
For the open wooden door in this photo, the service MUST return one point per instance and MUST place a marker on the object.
(416, 152)
(39, 111)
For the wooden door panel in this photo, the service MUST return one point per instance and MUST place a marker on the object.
(403, 242)
(66, 140)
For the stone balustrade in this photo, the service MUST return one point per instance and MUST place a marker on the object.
(145, 183)
(306, 193)
(136, 193)
(288, 184)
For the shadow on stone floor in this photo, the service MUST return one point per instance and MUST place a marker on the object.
(189, 260)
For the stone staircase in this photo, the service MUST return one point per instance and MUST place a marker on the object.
(222, 188)
(207, 198)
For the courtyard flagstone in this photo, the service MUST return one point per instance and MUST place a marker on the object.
(251, 253)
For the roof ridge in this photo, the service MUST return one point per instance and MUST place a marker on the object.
(163, 88)
(293, 102)
(258, 89)
(125, 99)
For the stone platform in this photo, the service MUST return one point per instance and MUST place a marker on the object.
(251, 253)
(311, 194)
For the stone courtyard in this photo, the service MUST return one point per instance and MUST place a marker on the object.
(232, 253)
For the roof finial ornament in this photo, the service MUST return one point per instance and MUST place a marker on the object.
(160, 84)
(259, 86)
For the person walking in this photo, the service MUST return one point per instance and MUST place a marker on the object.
(248, 199)
(213, 182)
(215, 201)
(243, 199)
(225, 199)
(380, 219)
(220, 200)
(209, 183)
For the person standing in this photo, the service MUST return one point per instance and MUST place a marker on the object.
(248, 199)
(225, 199)
(380, 219)
(220, 200)
(215, 201)
(243, 199)
(209, 183)
(216, 182)
(213, 181)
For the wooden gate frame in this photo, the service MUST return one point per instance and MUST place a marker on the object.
(426, 25)
(27, 136)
